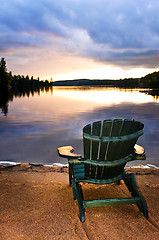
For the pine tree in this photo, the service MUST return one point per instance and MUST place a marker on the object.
(5, 78)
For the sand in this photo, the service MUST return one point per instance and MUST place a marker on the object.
(36, 202)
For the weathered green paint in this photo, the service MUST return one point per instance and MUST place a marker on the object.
(109, 202)
(113, 139)
(108, 146)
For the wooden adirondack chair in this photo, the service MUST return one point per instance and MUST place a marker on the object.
(108, 146)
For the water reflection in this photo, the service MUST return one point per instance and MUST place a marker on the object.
(153, 92)
(104, 95)
(34, 127)
(6, 95)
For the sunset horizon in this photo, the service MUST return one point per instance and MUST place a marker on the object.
(68, 40)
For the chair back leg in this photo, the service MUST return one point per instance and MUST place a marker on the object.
(130, 182)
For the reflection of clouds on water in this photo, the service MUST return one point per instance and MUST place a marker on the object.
(20, 129)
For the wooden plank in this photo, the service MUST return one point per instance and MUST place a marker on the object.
(105, 132)
(117, 150)
(113, 139)
(110, 202)
(79, 170)
(96, 129)
(80, 202)
(87, 148)
(136, 126)
(78, 166)
(107, 180)
(79, 175)
(113, 163)
(130, 182)
(127, 146)
(139, 150)
(67, 152)
(112, 151)
(103, 147)
(140, 153)
(86, 142)
(126, 128)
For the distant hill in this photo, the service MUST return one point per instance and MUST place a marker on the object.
(149, 81)
(83, 82)
(129, 83)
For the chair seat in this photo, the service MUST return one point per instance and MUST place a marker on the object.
(79, 175)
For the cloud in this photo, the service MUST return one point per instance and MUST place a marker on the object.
(118, 32)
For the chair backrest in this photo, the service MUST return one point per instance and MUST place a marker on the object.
(109, 140)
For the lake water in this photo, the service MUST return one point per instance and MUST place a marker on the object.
(36, 125)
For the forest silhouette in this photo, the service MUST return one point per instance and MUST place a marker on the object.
(18, 86)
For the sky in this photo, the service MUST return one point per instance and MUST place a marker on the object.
(72, 39)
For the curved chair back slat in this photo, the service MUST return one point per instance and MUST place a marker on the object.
(109, 140)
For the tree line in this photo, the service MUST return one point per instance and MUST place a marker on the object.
(149, 81)
(17, 85)
(18, 82)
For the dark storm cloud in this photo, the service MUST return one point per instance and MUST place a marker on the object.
(120, 32)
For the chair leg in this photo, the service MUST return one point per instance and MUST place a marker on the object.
(74, 189)
(80, 202)
(70, 173)
(130, 182)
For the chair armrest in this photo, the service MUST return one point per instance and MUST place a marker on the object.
(139, 153)
(67, 152)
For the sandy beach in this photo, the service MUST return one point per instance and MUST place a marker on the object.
(36, 203)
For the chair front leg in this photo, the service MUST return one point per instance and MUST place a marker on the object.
(70, 172)
(80, 202)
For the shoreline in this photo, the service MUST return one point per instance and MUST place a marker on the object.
(31, 167)
(37, 203)
(10, 164)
